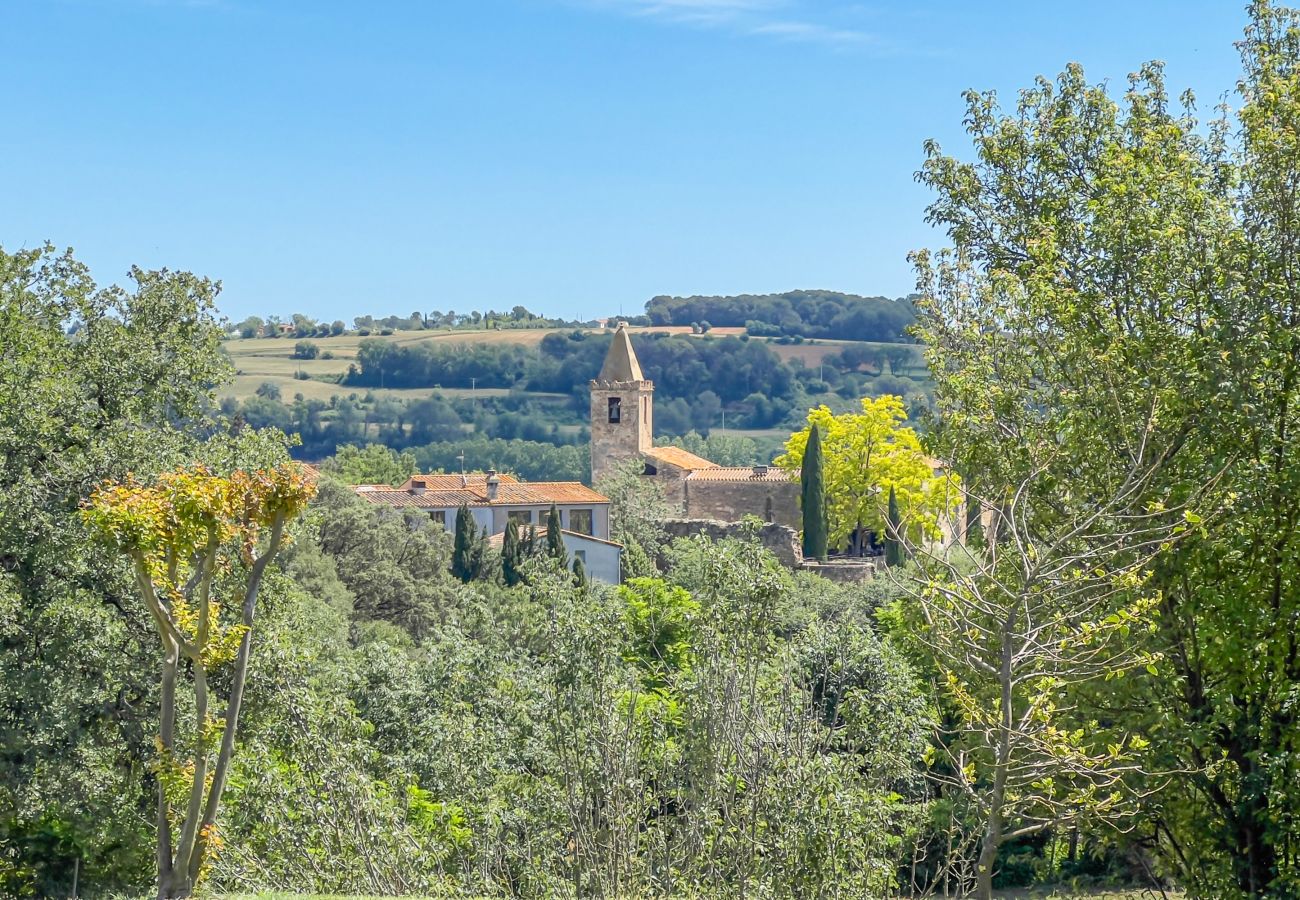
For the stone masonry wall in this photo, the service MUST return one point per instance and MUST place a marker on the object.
(729, 501)
(782, 541)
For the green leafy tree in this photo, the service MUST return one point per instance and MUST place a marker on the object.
(866, 455)
(78, 682)
(1121, 290)
(812, 479)
(371, 464)
(637, 509)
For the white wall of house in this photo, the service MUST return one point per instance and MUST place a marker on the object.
(495, 518)
(600, 559)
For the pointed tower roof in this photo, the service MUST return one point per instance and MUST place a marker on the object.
(621, 363)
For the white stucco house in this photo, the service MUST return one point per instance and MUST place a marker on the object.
(495, 499)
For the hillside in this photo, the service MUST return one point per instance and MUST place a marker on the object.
(412, 388)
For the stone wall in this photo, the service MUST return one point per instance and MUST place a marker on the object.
(730, 501)
(783, 542)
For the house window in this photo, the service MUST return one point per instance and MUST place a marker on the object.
(439, 516)
(520, 516)
(580, 521)
(615, 410)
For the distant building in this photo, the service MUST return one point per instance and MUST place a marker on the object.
(602, 560)
(622, 428)
(495, 499)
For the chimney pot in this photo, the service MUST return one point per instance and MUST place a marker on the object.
(492, 482)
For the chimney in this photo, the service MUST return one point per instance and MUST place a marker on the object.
(492, 482)
(417, 486)
(760, 471)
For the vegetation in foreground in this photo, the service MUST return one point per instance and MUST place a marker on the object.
(1101, 686)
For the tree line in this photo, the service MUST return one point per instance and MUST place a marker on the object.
(816, 314)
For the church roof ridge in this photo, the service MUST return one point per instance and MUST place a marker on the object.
(620, 362)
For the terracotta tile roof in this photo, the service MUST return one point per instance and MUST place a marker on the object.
(676, 456)
(742, 473)
(453, 482)
(443, 491)
(548, 492)
(427, 500)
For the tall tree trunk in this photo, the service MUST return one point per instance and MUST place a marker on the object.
(992, 838)
(166, 734)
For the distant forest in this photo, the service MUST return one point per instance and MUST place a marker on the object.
(813, 314)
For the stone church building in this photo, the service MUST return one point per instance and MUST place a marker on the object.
(622, 428)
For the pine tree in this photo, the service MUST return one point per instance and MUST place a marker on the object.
(813, 484)
(893, 538)
(511, 555)
(554, 540)
(462, 554)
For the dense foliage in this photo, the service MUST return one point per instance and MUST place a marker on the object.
(826, 314)
(1115, 343)
(400, 731)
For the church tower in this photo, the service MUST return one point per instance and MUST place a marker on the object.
(622, 408)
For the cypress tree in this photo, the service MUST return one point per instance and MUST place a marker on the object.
(554, 540)
(893, 541)
(511, 555)
(579, 573)
(462, 554)
(812, 480)
(480, 561)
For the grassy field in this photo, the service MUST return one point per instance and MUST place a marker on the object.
(260, 360)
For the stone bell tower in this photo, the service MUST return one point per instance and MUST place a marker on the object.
(622, 408)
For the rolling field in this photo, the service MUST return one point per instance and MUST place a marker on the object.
(259, 360)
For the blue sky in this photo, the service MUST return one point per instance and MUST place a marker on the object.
(575, 156)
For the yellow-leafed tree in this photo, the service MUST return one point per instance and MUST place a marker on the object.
(866, 454)
(198, 544)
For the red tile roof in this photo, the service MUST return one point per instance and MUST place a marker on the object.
(442, 491)
(454, 482)
(676, 456)
(741, 473)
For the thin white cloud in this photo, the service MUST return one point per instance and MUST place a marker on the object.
(776, 19)
(809, 31)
